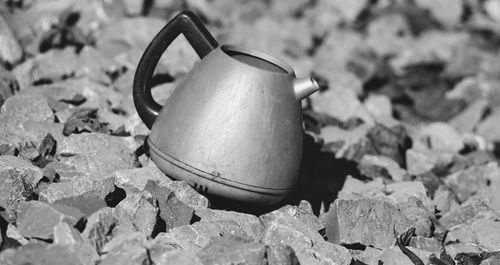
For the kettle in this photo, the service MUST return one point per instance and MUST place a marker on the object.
(233, 126)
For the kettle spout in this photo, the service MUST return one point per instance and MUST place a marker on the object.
(303, 87)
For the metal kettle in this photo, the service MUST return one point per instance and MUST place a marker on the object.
(233, 126)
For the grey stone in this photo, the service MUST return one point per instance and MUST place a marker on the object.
(10, 50)
(394, 256)
(466, 120)
(491, 8)
(250, 224)
(87, 193)
(418, 214)
(233, 250)
(281, 254)
(66, 235)
(13, 233)
(444, 199)
(487, 129)
(369, 255)
(173, 211)
(99, 227)
(389, 34)
(137, 178)
(381, 166)
(98, 153)
(294, 227)
(354, 188)
(142, 211)
(188, 195)
(468, 182)
(365, 221)
(487, 232)
(40, 254)
(422, 161)
(178, 256)
(129, 248)
(21, 108)
(440, 136)
(426, 244)
(37, 219)
(401, 192)
(467, 212)
(18, 180)
(8, 85)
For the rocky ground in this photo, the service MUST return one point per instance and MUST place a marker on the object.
(401, 148)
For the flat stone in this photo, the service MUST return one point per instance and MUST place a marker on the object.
(250, 224)
(381, 166)
(142, 211)
(233, 250)
(10, 50)
(8, 85)
(87, 193)
(98, 153)
(487, 232)
(365, 221)
(426, 244)
(172, 211)
(137, 178)
(22, 108)
(66, 235)
(18, 179)
(422, 161)
(290, 226)
(37, 219)
(441, 136)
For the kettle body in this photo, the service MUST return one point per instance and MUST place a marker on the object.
(233, 126)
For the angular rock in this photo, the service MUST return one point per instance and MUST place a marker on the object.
(250, 224)
(98, 153)
(468, 182)
(142, 211)
(394, 256)
(348, 10)
(10, 50)
(18, 179)
(22, 108)
(188, 195)
(233, 250)
(369, 255)
(418, 214)
(400, 192)
(99, 227)
(444, 199)
(290, 226)
(37, 219)
(137, 178)
(172, 210)
(66, 235)
(441, 136)
(380, 166)
(467, 212)
(426, 244)
(422, 161)
(365, 221)
(8, 85)
(466, 120)
(126, 249)
(487, 232)
(354, 189)
(389, 34)
(87, 193)
(281, 254)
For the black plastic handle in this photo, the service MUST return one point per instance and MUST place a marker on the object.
(190, 25)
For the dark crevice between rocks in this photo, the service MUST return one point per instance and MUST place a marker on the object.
(115, 197)
(354, 246)
(160, 226)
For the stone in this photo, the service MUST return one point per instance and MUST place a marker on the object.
(13, 233)
(281, 254)
(195, 236)
(365, 221)
(389, 34)
(354, 189)
(448, 13)
(233, 250)
(468, 182)
(250, 224)
(99, 227)
(418, 214)
(492, 7)
(8, 85)
(380, 166)
(172, 210)
(369, 255)
(135, 179)
(126, 248)
(188, 195)
(37, 253)
(466, 212)
(22, 108)
(37, 219)
(290, 8)
(422, 161)
(467, 120)
(10, 50)
(18, 180)
(98, 153)
(379, 106)
(444, 199)
(394, 256)
(87, 193)
(66, 235)
(54, 65)
(442, 137)
(348, 10)
(487, 129)
(141, 210)
(400, 192)
(487, 232)
(297, 228)
(426, 244)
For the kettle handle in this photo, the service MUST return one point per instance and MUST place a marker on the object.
(190, 25)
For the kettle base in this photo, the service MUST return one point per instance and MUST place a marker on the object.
(206, 182)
